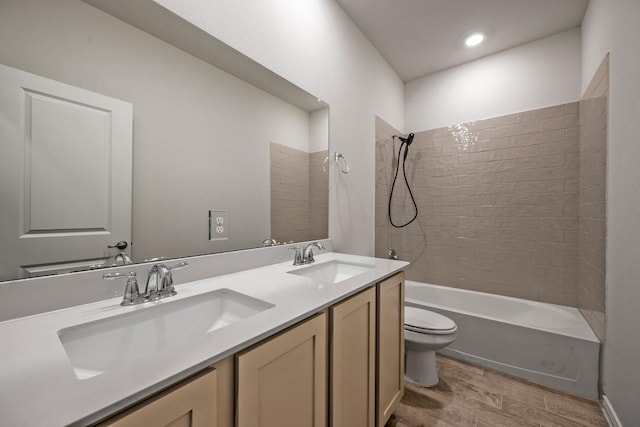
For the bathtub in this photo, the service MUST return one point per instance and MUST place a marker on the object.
(545, 343)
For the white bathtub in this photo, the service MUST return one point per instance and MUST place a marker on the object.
(545, 343)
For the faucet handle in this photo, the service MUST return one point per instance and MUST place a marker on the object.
(155, 259)
(297, 258)
(114, 276)
(166, 282)
(131, 291)
(178, 266)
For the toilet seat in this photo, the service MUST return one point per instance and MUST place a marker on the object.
(427, 322)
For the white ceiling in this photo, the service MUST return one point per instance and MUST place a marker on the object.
(421, 37)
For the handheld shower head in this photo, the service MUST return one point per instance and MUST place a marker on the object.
(408, 140)
(404, 143)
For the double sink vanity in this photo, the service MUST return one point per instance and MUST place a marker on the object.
(248, 334)
(262, 346)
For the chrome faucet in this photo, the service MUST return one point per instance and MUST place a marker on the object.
(160, 281)
(297, 257)
(122, 258)
(159, 284)
(307, 256)
(269, 242)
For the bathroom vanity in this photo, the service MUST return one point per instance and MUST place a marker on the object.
(264, 346)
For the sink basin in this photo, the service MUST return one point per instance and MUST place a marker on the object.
(97, 347)
(332, 271)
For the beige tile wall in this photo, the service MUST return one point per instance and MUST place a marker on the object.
(592, 200)
(386, 237)
(498, 202)
(599, 84)
(318, 196)
(289, 194)
(299, 195)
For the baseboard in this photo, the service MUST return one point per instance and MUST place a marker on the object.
(610, 413)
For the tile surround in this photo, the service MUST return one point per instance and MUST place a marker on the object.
(498, 201)
(299, 195)
(318, 196)
(592, 200)
(289, 194)
(513, 205)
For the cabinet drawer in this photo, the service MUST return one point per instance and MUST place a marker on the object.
(192, 403)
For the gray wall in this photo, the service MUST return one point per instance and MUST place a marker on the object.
(317, 47)
(612, 26)
(201, 136)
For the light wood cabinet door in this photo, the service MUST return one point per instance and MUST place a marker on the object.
(390, 346)
(353, 374)
(192, 403)
(225, 396)
(283, 381)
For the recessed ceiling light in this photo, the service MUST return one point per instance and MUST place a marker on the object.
(474, 39)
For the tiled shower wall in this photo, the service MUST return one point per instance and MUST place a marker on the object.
(318, 196)
(498, 204)
(592, 200)
(299, 195)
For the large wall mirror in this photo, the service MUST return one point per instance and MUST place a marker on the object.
(213, 163)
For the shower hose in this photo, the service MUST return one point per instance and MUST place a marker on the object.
(395, 177)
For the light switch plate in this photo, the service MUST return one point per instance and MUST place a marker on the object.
(218, 225)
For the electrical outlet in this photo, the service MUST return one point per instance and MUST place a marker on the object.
(218, 225)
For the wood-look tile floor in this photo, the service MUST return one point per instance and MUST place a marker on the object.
(469, 395)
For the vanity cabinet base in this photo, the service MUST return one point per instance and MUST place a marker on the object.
(282, 382)
(390, 372)
(356, 347)
(353, 358)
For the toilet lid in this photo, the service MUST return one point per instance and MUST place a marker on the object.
(419, 320)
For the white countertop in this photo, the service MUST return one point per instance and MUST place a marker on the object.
(38, 385)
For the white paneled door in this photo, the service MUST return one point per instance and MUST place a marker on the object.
(65, 175)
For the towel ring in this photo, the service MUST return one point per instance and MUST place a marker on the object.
(325, 165)
(344, 166)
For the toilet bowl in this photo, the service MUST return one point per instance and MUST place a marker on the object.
(424, 333)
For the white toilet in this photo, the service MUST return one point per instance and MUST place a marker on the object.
(424, 333)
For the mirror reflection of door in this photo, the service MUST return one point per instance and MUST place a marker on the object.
(65, 175)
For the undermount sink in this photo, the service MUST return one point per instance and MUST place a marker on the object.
(97, 347)
(332, 271)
